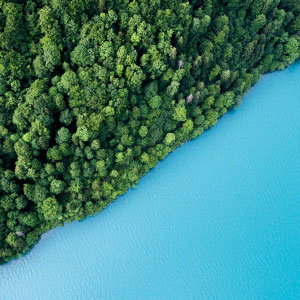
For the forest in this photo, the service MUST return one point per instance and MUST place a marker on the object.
(93, 93)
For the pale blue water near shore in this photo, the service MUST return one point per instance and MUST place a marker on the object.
(218, 219)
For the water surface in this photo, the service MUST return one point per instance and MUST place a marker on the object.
(218, 219)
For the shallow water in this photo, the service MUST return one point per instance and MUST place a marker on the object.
(219, 218)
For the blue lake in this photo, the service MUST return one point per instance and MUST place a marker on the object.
(219, 218)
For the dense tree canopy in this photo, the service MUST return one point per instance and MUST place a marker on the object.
(93, 93)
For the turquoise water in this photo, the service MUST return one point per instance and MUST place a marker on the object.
(219, 218)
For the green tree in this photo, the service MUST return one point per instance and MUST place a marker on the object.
(51, 209)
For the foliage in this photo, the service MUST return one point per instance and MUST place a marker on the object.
(94, 93)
